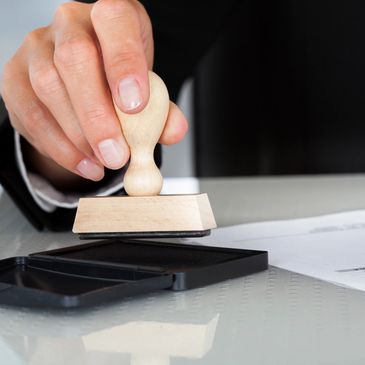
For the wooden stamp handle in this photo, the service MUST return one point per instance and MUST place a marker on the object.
(142, 132)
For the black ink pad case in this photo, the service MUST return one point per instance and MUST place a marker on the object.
(101, 271)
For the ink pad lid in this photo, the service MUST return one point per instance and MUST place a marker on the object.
(101, 271)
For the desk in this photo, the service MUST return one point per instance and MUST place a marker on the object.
(275, 317)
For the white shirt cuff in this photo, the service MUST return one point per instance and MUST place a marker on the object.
(49, 198)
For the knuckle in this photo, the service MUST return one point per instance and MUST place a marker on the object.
(130, 59)
(75, 51)
(95, 117)
(34, 37)
(65, 11)
(110, 9)
(45, 79)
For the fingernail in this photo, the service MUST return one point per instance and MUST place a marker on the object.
(130, 93)
(90, 170)
(112, 152)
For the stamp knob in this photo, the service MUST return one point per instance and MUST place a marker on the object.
(142, 132)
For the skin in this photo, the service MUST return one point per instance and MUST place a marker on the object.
(60, 85)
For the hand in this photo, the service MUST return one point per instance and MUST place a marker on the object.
(60, 85)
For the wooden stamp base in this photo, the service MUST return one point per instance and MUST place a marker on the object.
(161, 215)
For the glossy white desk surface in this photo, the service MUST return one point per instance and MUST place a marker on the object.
(275, 317)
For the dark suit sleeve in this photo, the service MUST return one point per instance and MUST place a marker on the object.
(12, 181)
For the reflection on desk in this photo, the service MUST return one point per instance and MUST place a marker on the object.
(155, 342)
(141, 337)
(145, 341)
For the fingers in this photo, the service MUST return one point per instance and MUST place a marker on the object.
(125, 61)
(176, 126)
(61, 85)
(37, 124)
(50, 89)
(18, 126)
(79, 64)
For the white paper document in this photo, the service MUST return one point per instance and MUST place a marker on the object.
(330, 247)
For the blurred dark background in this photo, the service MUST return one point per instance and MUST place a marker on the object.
(282, 91)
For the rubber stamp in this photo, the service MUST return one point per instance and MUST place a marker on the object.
(143, 212)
